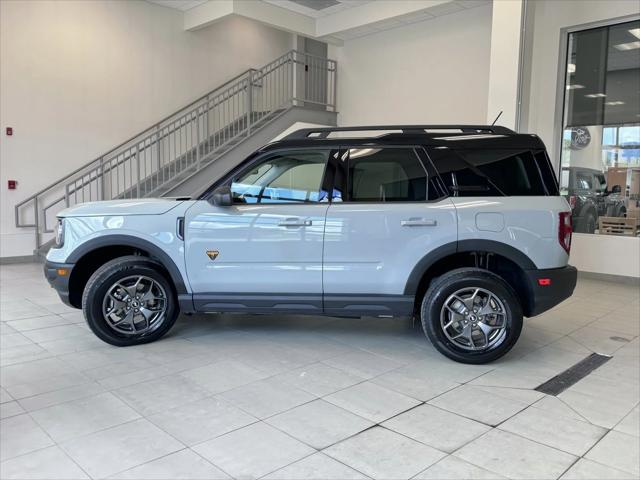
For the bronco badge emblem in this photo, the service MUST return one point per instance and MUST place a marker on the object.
(213, 254)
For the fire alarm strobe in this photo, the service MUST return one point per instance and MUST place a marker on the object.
(9, 131)
(12, 184)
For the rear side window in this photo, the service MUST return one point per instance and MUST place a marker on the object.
(473, 173)
(386, 175)
(512, 173)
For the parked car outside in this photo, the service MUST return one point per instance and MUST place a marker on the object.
(589, 197)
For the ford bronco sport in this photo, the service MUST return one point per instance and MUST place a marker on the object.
(462, 227)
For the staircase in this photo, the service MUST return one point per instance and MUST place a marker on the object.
(179, 154)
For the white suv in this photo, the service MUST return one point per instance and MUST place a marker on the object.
(462, 226)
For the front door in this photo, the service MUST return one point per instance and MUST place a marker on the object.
(264, 252)
(386, 215)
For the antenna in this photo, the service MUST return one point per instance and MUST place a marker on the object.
(494, 122)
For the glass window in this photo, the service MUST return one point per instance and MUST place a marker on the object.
(475, 173)
(283, 177)
(511, 173)
(386, 175)
(600, 162)
(583, 180)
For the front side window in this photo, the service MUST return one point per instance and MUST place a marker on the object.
(283, 177)
(386, 175)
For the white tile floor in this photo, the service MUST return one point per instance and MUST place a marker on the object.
(312, 398)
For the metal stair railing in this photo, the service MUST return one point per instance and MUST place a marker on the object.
(187, 139)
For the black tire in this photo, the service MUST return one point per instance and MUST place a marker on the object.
(105, 277)
(590, 223)
(443, 287)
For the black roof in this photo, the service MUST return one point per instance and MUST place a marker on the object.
(459, 136)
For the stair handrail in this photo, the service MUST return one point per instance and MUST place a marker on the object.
(131, 150)
(120, 145)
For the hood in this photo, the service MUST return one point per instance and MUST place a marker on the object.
(139, 206)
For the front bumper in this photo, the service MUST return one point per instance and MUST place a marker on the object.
(549, 287)
(58, 275)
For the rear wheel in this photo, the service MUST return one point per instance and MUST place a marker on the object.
(590, 223)
(129, 301)
(471, 315)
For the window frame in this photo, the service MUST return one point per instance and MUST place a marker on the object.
(423, 161)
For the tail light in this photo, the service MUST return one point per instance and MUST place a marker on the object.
(572, 202)
(565, 229)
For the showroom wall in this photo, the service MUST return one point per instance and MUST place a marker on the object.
(77, 78)
(434, 71)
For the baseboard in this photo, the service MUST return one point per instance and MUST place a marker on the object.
(607, 277)
(20, 259)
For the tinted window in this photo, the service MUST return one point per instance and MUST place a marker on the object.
(584, 181)
(282, 177)
(512, 173)
(386, 175)
(475, 173)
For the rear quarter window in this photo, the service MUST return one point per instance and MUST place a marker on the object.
(490, 172)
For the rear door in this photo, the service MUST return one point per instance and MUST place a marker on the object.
(385, 216)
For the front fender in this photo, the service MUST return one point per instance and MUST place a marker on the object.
(86, 234)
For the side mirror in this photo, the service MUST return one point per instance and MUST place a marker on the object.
(616, 189)
(221, 196)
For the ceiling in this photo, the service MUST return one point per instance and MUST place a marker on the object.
(317, 8)
(332, 13)
(414, 17)
(178, 4)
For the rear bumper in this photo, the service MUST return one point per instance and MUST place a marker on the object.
(561, 283)
(60, 282)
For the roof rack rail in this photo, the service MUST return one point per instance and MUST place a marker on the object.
(324, 132)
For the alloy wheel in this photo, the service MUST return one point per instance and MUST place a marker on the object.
(135, 305)
(474, 319)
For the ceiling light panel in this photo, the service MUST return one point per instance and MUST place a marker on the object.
(627, 46)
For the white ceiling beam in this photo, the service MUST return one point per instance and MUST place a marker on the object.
(263, 12)
(368, 13)
(332, 28)
(207, 13)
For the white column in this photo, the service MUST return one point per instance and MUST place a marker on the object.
(506, 31)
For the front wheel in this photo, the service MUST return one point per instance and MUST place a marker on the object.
(471, 315)
(129, 301)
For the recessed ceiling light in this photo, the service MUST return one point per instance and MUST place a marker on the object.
(635, 32)
(595, 95)
(571, 68)
(627, 46)
(574, 86)
(617, 102)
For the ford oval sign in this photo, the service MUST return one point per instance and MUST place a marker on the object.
(580, 138)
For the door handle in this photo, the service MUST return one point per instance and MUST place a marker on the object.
(295, 222)
(419, 222)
